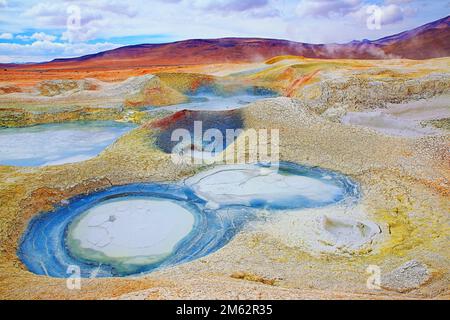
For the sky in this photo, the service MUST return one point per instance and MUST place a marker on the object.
(34, 31)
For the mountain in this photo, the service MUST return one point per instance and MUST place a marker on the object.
(428, 41)
(431, 40)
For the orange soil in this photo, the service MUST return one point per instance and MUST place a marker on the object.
(299, 82)
(28, 77)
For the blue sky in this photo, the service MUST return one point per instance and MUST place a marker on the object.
(42, 30)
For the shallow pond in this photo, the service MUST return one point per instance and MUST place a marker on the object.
(53, 144)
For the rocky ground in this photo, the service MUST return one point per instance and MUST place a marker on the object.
(404, 182)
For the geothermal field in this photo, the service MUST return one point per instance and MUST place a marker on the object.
(351, 200)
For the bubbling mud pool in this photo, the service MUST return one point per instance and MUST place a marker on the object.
(138, 228)
(53, 144)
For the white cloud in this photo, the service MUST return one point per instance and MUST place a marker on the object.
(392, 11)
(38, 36)
(327, 8)
(389, 14)
(252, 8)
(230, 5)
(42, 50)
(92, 17)
(23, 37)
(6, 36)
(397, 1)
(41, 36)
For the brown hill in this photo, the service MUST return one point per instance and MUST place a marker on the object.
(428, 41)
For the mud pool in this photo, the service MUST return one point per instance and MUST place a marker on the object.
(138, 228)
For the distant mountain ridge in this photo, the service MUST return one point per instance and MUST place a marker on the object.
(431, 40)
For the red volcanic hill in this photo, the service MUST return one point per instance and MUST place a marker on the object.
(428, 41)
(431, 40)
